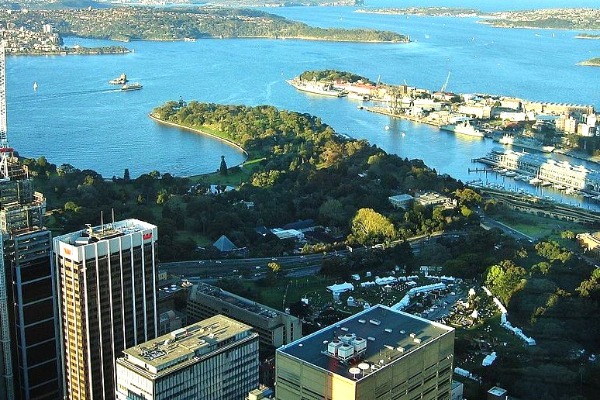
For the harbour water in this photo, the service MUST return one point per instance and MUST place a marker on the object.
(76, 117)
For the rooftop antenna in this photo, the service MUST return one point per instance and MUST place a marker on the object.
(5, 151)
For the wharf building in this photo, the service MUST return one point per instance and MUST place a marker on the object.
(275, 328)
(107, 280)
(29, 346)
(534, 166)
(214, 359)
(378, 353)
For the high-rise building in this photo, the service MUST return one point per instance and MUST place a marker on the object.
(378, 353)
(28, 322)
(214, 359)
(107, 288)
(27, 292)
(275, 328)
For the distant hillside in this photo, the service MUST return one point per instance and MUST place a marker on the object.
(52, 5)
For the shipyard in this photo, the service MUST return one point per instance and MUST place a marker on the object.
(527, 132)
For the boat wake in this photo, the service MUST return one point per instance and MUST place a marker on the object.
(37, 97)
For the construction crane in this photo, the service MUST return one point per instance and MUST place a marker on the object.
(443, 89)
(5, 151)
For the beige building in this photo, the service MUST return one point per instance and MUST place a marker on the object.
(589, 241)
(274, 327)
(107, 292)
(378, 354)
(214, 359)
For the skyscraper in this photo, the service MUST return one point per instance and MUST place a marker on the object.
(28, 321)
(107, 289)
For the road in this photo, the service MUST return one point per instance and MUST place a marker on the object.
(217, 269)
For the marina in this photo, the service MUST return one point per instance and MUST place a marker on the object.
(543, 171)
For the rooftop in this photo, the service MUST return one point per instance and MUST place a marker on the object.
(166, 353)
(387, 334)
(104, 232)
(234, 300)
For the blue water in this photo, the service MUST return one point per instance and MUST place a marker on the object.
(76, 117)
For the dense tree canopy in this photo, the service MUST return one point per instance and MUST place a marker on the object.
(369, 227)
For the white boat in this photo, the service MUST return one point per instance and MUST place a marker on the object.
(131, 86)
(358, 96)
(511, 174)
(314, 87)
(121, 80)
(35, 86)
(535, 181)
(525, 142)
(463, 128)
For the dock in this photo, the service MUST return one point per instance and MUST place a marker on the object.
(412, 118)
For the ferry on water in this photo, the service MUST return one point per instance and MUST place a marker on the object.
(131, 86)
(121, 80)
(314, 87)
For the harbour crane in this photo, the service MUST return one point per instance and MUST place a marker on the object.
(443, 89)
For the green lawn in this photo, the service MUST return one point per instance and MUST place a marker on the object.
(536, 226)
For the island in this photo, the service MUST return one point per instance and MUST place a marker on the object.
(592, 62)
(187, 23)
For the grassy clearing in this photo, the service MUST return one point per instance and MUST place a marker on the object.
(313, 287)
(538, 227)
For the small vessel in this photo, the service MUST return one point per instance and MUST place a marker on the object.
(358, 96)
(35, 86)
(121, 80)
(525, 142)
(131, 86)
(463, 128)
(314, 87)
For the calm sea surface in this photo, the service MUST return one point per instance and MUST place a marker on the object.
(76, 117)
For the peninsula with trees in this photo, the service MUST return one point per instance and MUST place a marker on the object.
(557, 18)
(592, 62)
(188, 23)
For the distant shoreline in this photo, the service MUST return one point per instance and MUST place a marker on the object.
(594, 62)
(202, 132)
